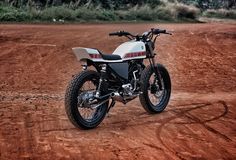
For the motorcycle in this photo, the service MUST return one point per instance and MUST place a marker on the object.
(118, 77)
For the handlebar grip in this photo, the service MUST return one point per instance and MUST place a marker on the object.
(120, 33)
(158, 31)
(114, 34)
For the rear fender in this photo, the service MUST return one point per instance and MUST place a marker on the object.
(87, 54)
(91, 57)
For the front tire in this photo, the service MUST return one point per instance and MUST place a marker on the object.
(148, 85)
(74, 108)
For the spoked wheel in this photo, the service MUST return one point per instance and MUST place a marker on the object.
(82, 108)
(154, 98)
(86, 107)
(155, 93)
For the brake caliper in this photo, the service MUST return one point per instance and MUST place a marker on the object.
(153, 88)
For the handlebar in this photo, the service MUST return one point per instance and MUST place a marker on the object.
(147, 35)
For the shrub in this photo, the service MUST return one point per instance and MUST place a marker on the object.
(106, 15)
(85, 13)
(138, 13)
(10, 16)
(154, 3)
(8, 13)
(60, 12)
(184, 11)
(164, 13)
(35, 14)
(121, 14)
(131, 14)
(145, 13)
(23, 16)
(221, 13)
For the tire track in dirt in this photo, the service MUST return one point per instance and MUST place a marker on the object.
(136, 122)
(193, 120)
(28, 136)
(203, 123)
(179, 113)
(167, 121)
(23, 97)
(211, 44)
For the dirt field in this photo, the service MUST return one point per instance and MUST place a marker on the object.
(199, 123)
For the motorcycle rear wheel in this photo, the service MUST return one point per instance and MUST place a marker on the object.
(79, 111)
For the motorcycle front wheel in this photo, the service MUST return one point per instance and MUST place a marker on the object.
(155, 98)
(80, 102)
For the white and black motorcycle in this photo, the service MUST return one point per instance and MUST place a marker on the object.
(120, 76)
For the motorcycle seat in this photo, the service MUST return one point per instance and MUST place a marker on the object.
(109, 56)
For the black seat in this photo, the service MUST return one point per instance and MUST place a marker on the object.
(109, 56)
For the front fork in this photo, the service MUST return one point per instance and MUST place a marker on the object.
(154, 66)
(157, 73)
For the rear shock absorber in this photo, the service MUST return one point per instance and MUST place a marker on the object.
(101, 80)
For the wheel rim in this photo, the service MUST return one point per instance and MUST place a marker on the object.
(85, 109)
(157, 97)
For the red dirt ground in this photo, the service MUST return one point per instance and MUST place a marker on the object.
(199, 123)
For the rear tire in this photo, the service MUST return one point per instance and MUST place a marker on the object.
(145, 99)
(71, 101)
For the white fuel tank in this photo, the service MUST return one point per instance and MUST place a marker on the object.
(131, 50)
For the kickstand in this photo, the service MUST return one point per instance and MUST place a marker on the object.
(113, 102)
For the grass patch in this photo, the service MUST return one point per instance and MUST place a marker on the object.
(60, 12)
(162, 12)
(221, 13)
(86, 14)
(9, 14)
(146, 13)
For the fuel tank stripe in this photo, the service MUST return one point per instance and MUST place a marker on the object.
(135, 54)
(128, 55)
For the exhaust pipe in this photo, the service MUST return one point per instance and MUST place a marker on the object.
(115, 95)
(98, 105)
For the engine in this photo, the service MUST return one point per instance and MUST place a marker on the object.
(135, 70)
